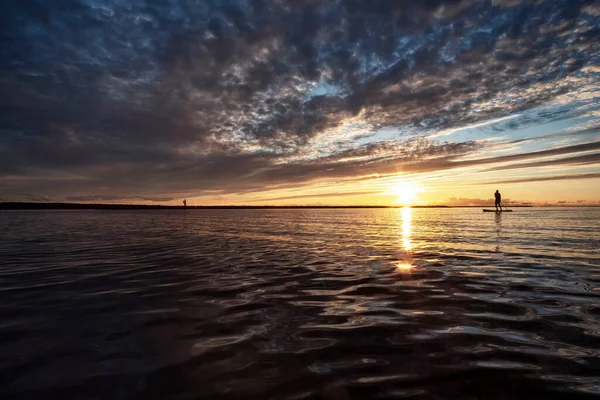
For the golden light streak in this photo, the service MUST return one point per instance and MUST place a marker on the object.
(406, 228)
(406, 263)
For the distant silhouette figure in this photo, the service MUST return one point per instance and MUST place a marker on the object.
(184, 203)
(498, 202)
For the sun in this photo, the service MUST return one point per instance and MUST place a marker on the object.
(405, 192)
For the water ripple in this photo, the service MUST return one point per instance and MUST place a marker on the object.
(300, 304)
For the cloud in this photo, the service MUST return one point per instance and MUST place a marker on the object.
(569, 177)
(581, 132)
(454, 201)
(312, 196)
(36, 198)
(109, 198)
(580, 160)
(478, 202)
(583, 147)
(149, 98)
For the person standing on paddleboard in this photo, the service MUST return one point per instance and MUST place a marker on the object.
(498, 197)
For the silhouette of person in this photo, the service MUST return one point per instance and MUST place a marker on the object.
(184, 202)
(498, 202)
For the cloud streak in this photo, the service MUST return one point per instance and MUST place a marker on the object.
(313, 196)
(580, 160)
(591, 175)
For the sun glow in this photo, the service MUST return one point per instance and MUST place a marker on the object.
(405, 192)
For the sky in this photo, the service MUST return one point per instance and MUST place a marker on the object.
(300, 102)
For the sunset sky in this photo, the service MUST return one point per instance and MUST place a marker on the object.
(300, 102)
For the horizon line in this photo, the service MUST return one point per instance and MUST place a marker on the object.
(108, 206)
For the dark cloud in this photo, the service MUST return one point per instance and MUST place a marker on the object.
(580, 160)
(36, 198)
(150, 97)
(449, 161)
(313, 196)
(91, 198)
(94, 198)
(414, 155)
(569, 177)
(583, 147)
(589, 131)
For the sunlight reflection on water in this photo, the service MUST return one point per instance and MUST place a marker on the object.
(406, 254)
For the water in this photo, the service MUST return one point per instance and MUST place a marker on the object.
(300, 304)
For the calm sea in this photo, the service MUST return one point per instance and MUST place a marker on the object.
(300, 304)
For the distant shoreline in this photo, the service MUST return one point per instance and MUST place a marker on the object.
(86, 206)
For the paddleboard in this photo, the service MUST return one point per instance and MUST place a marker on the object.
(498, 211)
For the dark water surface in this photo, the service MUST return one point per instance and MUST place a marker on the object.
(300, 304)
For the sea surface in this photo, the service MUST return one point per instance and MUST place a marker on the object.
(300, 304)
